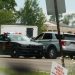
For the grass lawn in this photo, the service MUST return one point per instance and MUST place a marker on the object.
(8, 71)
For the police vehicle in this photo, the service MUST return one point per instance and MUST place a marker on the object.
(19, 45)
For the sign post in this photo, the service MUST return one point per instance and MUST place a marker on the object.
(58, 29)
(56, 8)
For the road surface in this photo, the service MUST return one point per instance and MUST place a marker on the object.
(35, 64)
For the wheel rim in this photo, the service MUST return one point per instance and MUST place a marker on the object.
(14, 54)
(51, 53)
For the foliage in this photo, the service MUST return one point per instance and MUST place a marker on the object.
(69, 18)
(7, 17)
(73, 23)
(7, 11)
(44, 28)
(32, 14)
(53, 18)
(10, 71)
(66, 20)
(7, 4)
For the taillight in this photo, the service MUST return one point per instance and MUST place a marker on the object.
(63, 43)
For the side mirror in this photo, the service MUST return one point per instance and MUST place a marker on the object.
(33, 39)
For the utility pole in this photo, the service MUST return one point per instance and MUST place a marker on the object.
(58, 29)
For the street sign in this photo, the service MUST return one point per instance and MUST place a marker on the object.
(57, 69)
(51, 9)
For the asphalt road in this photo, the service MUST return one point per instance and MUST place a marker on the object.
(34, 64)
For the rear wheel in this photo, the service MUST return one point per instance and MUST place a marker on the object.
(39, 57)
(71, 56)
(51, 53)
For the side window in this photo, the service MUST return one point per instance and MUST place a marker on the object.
(61, 36)
(39, 37)
(3, 38)
(47, 36)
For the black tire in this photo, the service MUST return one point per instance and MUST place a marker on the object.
(14, 54)
(38, 57)
(71, 56)
(51, 53)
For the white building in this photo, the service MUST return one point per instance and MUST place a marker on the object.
(30, 31)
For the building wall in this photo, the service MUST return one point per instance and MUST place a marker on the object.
(18, 29)
(62, 28)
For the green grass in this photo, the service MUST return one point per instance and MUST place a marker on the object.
(8, 71)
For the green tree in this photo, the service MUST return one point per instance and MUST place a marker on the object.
(73, 23)
(7, 11)
(7, 17)
(53, 18)
(7, 4)
(32, 14)
(68, 18)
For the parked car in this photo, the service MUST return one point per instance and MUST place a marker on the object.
(19, 45)
(51, 44)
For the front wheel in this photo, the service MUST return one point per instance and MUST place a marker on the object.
(51, 53)
(14, 54)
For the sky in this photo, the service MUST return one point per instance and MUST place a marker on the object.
(70, 5)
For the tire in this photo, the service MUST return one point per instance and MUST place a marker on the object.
(51, 53)
(38, 57)
(71, 56)
(14, 54)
